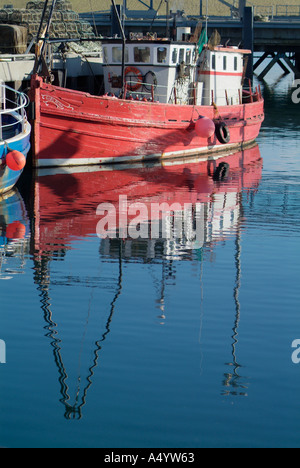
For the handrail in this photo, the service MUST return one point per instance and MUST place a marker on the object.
(287, 10)
(20, 102)
(264, 10)
(276, 11)
(15, 108)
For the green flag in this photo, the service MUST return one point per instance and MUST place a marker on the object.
(202, 41)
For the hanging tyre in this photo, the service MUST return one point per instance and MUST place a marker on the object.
(150, 81)
(222, 133)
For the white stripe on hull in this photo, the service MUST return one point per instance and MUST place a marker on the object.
(207, 152)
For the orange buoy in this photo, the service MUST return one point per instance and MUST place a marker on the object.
(205, 127)
(15, 160)
(15, 230)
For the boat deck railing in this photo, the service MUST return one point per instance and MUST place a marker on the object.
(145, 91)
(12, 112)
(158, 93)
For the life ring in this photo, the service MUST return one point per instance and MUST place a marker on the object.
(222, 132)
(135, 72)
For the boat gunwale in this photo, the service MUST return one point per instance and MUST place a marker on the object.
(167, 123)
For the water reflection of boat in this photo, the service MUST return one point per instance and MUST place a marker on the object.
(65, 210)
(66, 201)
(14, 235)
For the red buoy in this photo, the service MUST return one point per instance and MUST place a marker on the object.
(205, 127)
(15, 160)
(15, 230)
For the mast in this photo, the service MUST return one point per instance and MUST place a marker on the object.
(123, 44)
(42, 19)
(206, 19)
(40, 56)
(167, 19)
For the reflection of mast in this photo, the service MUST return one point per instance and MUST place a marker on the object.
(232, 379)
(167, 273)
(107, 328)
(161, 301)
(42, 278)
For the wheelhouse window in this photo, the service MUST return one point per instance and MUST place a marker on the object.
(213, 62)
(162, 55)
(105, 54)
(182, 56)
(142, 54)
(188, 57)
(235, 63)
(175, 56)
(117, 55)
(224, 62)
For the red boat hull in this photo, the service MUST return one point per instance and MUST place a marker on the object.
(74, 128)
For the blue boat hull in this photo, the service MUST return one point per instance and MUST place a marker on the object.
(21, 142)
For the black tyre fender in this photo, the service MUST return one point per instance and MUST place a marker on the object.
(222, 133)
(148, 86)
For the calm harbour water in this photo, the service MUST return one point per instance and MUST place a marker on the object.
(136, 343)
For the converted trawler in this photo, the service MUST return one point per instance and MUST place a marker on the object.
(163, 99)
